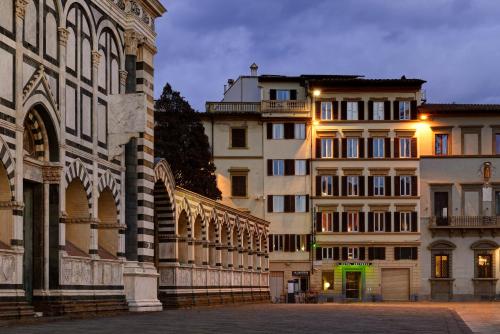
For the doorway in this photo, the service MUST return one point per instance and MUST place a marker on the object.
(33, 238)
(352, 285)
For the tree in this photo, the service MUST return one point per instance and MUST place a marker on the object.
(180, 139)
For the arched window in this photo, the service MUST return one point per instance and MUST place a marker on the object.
(50, 32)
(109, 64)
(79, 46)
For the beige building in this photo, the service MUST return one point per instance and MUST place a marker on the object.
(460, 203)
(332, 162)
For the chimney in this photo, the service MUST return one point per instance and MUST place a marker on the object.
(230, 82)
(253, 69)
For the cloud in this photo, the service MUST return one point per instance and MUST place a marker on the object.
(453, 44)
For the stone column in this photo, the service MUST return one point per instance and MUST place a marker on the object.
(63, 41)
(250, 252)
(94, 231)
(17, 235)
(132, 39)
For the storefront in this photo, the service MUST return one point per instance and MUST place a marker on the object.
(345, 281)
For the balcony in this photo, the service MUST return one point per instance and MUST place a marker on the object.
(233, 107)
(287, 106)
(465, 223)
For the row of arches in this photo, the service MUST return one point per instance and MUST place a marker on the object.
(191, 232)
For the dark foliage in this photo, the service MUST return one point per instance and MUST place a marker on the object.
(180, 139)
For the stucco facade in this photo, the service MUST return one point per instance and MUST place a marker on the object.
(287, 128)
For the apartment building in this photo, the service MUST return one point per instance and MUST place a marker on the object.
(460, 202)
(332, 162)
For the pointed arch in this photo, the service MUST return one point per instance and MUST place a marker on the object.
(9, 165)
(107, 25)
(86, 10)
(164, 174)
(77, 170)
(107, 180)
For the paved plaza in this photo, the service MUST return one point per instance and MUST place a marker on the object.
(298, 318)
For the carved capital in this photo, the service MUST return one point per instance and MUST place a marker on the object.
(63, 36)
(96, 58)
(123, 77)
(132, 40)
(21, 8)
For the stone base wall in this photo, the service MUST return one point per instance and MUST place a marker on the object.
(80, 305)
(192, 299)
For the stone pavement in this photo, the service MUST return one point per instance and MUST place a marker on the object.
(268, 318)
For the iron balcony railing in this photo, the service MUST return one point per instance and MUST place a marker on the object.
(465, 222)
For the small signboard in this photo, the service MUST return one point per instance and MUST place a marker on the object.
(300, 273)
(354, 264)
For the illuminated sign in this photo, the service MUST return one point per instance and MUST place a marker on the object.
(354, 264)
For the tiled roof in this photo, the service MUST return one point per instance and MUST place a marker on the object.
(459, 108)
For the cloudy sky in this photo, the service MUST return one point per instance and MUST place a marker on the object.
(453, 44)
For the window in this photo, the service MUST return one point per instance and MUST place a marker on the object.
(326, 185)
(352, 222)
(376, 253)
(405, 253)
(278, 242)
(326, 147)
(404, 110)
(378, 147)
(298, 242)
(300, 131)
(378, 111)
(326, 221)
(378, 185)
(300, 167)
(327, 279)
(278, 203)
(239, 185)
(441, 266)
(497, 143)
(352, 253)
(300, 203)
(326, 111)
(379, 221)
(484, 266)
(441, 144)
(405, 147)
(278, 131)
(352, 185)
(352, 111)
(405, 221)
(352, 147)
(327, 252)
(497, 203)
(278, 167)
(282, 95)
(405, 185)
(238, 137)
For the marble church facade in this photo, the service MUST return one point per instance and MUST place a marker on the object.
(78, 227)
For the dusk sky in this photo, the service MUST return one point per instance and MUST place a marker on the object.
(453, 44)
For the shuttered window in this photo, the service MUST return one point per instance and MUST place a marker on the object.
(352, 111)
(378, 111)
(278, 167)
(239, 185)
(376, 253)
(405, 253)
(405, 147)
(238, 138)
(352, 147)
(327, 147)
(300, 131)
(404, 110)
(378, 147)
(378, 221)
(405, 185)
(326, 111)
(278, 131)
(379, 185)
